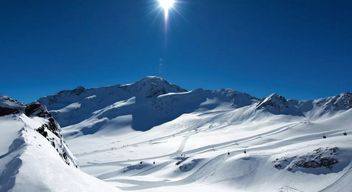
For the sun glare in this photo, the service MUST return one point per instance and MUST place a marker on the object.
(166, 5)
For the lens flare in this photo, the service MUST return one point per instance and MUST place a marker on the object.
(166, 5)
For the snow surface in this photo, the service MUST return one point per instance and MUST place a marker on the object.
(155, 136)
(28, 162)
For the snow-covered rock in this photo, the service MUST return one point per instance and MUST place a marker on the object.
(319, 161)
(152, 87)
(34, 155)
(9, 106)
(336, 103)
(277, 104)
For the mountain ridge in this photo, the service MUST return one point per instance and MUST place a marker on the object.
(80, 89)
(154, 136)
(153, 95)
(33, 153)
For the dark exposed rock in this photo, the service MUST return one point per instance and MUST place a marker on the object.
(274, 100)
(190, 165)
(339, 102)
(277, 104)
(36, 109)
(135, 167)
(322, 160)
(42, 131)
(326, 162)
(8, 111)
(50, 130)
(54, 127)
(77, 91)
(9, 106)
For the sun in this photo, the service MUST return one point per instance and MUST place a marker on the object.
(166, 5)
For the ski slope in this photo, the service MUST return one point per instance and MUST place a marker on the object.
(155, 136)
(205, 141)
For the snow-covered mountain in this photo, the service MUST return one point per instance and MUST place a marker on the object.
(277, 104)
(34, 155)
(155, 136)
(153, 101)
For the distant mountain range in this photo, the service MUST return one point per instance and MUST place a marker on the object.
(153, 101)
(152, 135)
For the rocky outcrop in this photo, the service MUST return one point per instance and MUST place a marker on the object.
(336, 103)
(188, 166)
(36, 109)
(9, 106)
(277, 104)
(8, 111)
(50, 129)
(319, 161)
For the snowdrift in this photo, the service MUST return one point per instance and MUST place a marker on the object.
(34, 156)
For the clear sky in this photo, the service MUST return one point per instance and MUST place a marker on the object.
(298, 48)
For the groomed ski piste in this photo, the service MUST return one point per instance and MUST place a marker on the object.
(155, 136)
(213, 153)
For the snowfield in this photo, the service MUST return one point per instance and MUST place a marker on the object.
(152, 136)
(28, 162)
(213, 154)
(155, 136)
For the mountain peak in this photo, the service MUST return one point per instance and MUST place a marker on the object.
(152, 78)
(6, 101)
(278, 104)
(346, 94)
(76, 91)
(152, 86)
(9, 106)
(273, 99)
(342, 101)
(276, 96)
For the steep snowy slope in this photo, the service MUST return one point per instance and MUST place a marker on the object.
(153, 101)
(33, 154)
(206, 140)
(73, 106)
(147, 103)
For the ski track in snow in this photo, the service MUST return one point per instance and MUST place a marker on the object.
(234, 147)
(155, 136)
(195, 151)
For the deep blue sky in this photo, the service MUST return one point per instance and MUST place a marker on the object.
(298, 48)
